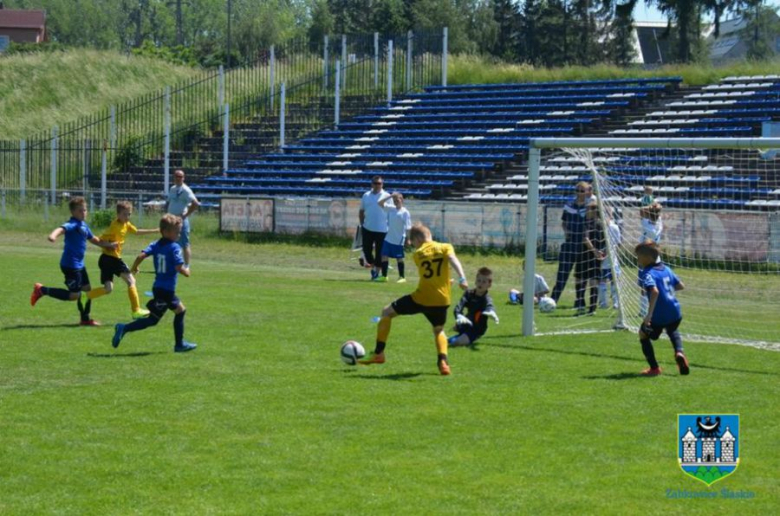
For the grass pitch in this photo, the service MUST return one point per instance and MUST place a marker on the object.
(264, 418)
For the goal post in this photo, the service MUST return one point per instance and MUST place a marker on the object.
(712, 204)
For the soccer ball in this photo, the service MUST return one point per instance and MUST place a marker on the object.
(351, 352)
(546, 305)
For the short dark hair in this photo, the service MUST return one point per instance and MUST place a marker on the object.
(169, 221)
(377, 178)
(76, 202)
(484, 271)
(648, 248)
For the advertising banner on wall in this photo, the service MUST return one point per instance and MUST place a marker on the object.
(246, 215)
(748, 237)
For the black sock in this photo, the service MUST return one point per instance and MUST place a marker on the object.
(141, 324)
(56, 293)
(380, 347)
(647, 349)
(442, 357)
(178, 328)
(594, 298)
(87, 309)
(80, 305)
(385, 265)
(579, 302)
(401, 269)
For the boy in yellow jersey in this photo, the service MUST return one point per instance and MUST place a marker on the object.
(111, 263)
(432, 297)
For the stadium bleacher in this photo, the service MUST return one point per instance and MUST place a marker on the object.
(439, 142)
(737, 106)
(470, 142)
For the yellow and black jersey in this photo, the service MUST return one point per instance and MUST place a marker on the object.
(433, 266)
(116, 232)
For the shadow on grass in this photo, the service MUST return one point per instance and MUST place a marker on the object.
(617, 376)
(394, 377)
(39, 326)
(125, 355)
(694, 365)
(352, 280)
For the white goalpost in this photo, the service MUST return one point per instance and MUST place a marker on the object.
(712, 205)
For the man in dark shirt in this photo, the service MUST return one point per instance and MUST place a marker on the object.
(573, 223)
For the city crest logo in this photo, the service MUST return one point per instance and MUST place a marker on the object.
(708, 445)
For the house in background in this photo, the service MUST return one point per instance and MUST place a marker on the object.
(732, 42)
(651, 45)
(21, 26)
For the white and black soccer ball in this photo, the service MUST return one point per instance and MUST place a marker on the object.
(547, 305)
(351, 352)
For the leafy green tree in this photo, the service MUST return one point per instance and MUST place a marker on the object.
(389, 17)
(508, 19)
(761, 29)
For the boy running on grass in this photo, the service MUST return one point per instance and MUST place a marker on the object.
(111, 263)
(478, 306)
(664, 312)
(168, 263)
(432, 297)
(77, 233)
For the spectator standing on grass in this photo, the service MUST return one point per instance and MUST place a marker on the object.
(573, 221)
(182, 203)
(373, 225)
(399, 222)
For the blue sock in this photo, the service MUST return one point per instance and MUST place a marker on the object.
(178, 328)
(56, 293)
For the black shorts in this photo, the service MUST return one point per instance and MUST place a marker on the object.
(658, 330)
(75, 279)
(162, 301)
(110, 267)
(436, 315)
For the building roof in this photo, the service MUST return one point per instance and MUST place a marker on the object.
(17, 19)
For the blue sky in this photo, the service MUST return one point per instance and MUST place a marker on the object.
(645, 13)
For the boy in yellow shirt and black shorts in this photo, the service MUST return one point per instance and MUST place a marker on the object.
(110, 262)
(432, 297)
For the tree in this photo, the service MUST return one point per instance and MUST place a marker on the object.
(322, 23)
(620, 48)
(508, 19)
(389, 17)
(761, 28)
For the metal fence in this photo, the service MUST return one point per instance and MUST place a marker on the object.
(184, 125)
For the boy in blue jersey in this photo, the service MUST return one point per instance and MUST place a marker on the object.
(77, 233)
(664, 312)
(168, 263)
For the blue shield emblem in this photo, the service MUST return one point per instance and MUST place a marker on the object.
(708, 445)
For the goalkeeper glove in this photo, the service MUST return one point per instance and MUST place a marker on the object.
(491, 314)
(462, 320)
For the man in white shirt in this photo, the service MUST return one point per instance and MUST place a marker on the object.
(373, 224)
(182, 203)
(399, 222)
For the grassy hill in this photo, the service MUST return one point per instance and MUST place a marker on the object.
(38, 91)
(468, 69)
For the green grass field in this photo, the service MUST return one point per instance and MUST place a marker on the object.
(264, 418)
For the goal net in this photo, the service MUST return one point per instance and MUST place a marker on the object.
(711, 206)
